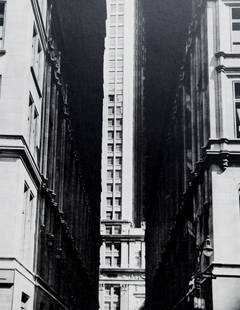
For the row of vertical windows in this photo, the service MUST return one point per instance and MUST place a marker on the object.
(111, 121)
(118, 202)
(116, 19)
(116, 31)
(118, 188)
(118, 161)
(116, 215)
(118, 135)
(118, 174)
(116, 53)
(113, 230)
(114, 8)
(118, 148)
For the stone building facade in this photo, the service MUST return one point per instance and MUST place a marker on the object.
(49, 247)
(193, 225)
(122, 227)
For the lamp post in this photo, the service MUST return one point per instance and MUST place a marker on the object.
(207, 250)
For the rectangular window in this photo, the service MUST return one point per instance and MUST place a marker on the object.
(119, 110)
(2, 24)
(113, 254)
(120, 42)
(110, 135)
(120, 19)
(119, 135)
(113, 31)
(108, 215)
(36, 55)
(118, 202)
(109, 188)
(117, 230)
(120, 76)
(27, 222)
(118, 174)
(109, 202)
(110, 148)
(237, 108)
(117, 215)
(111, 64)
(112, 76)
(119, 122)
(118, 148)
(111, 53)
(118, 161)
(111, 98)
(112, 19)
(113, 8)
(120, 8)
(119, 98)
(108, 230)
(118, 188)
(111, 87)
(120, 53)
(112, 296)
(120, 31)
(235, 29)
(110, 110)
(110, 174)
(110, 122)
(110, 161)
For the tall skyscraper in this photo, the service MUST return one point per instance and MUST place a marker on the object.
(122, 227)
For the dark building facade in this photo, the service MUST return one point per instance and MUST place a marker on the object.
(193, 212)
(50, 191)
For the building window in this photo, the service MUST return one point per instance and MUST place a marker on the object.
(119, 135)
(117, 230)
(110, 122)
(109, 202)
(112, 297)
(2, 24)
(120, 19)
(109, 188)
(113, 31)
(138, 255)
(110, 148)
(120, 8)
(120, 53)
(110, 161)
(236, 29)
(24, 301)
(120, 31)
(111, 98)
(112, 76)
(120, 77)
(112, 19)
(118, 202)
(119, 110)
(237, 108)
(113, 254)
(117, 215)
(108, 215)
(119, 161)
(119, 98)
(36, 54)
(27, 229)
(118, 174)
(119, 122)
(118, 148)
(111, 53)
(118, 188)
(110, 110)
(113, 8)
(110, 135)
(110, 174)
(120, 42)
(108, 230)
(33, 130)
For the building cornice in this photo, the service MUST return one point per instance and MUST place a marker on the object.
(15, 146)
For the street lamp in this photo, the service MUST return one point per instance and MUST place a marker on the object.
(207, 250)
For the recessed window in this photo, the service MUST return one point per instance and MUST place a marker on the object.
(110, 148)
(120, 31)
(118, 174)
(119, 135)
(2, 23)
(110, 174)
(120, 19)
(110, 110)
(120, 42)
(110, 135)
(118, 188)
(111, 98)
(110, 161)
(108, 215)
(117, 230)
(119, 110)
(119, 122)
(118, 161)
(112, 31)
(109, 188)
(235, 29)
(237, 108)
(117, 215)
(112, 19)
(118, 148)
(109, 202)
(118, 202)
(120, 53)
(108, 230)
(110, 122)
